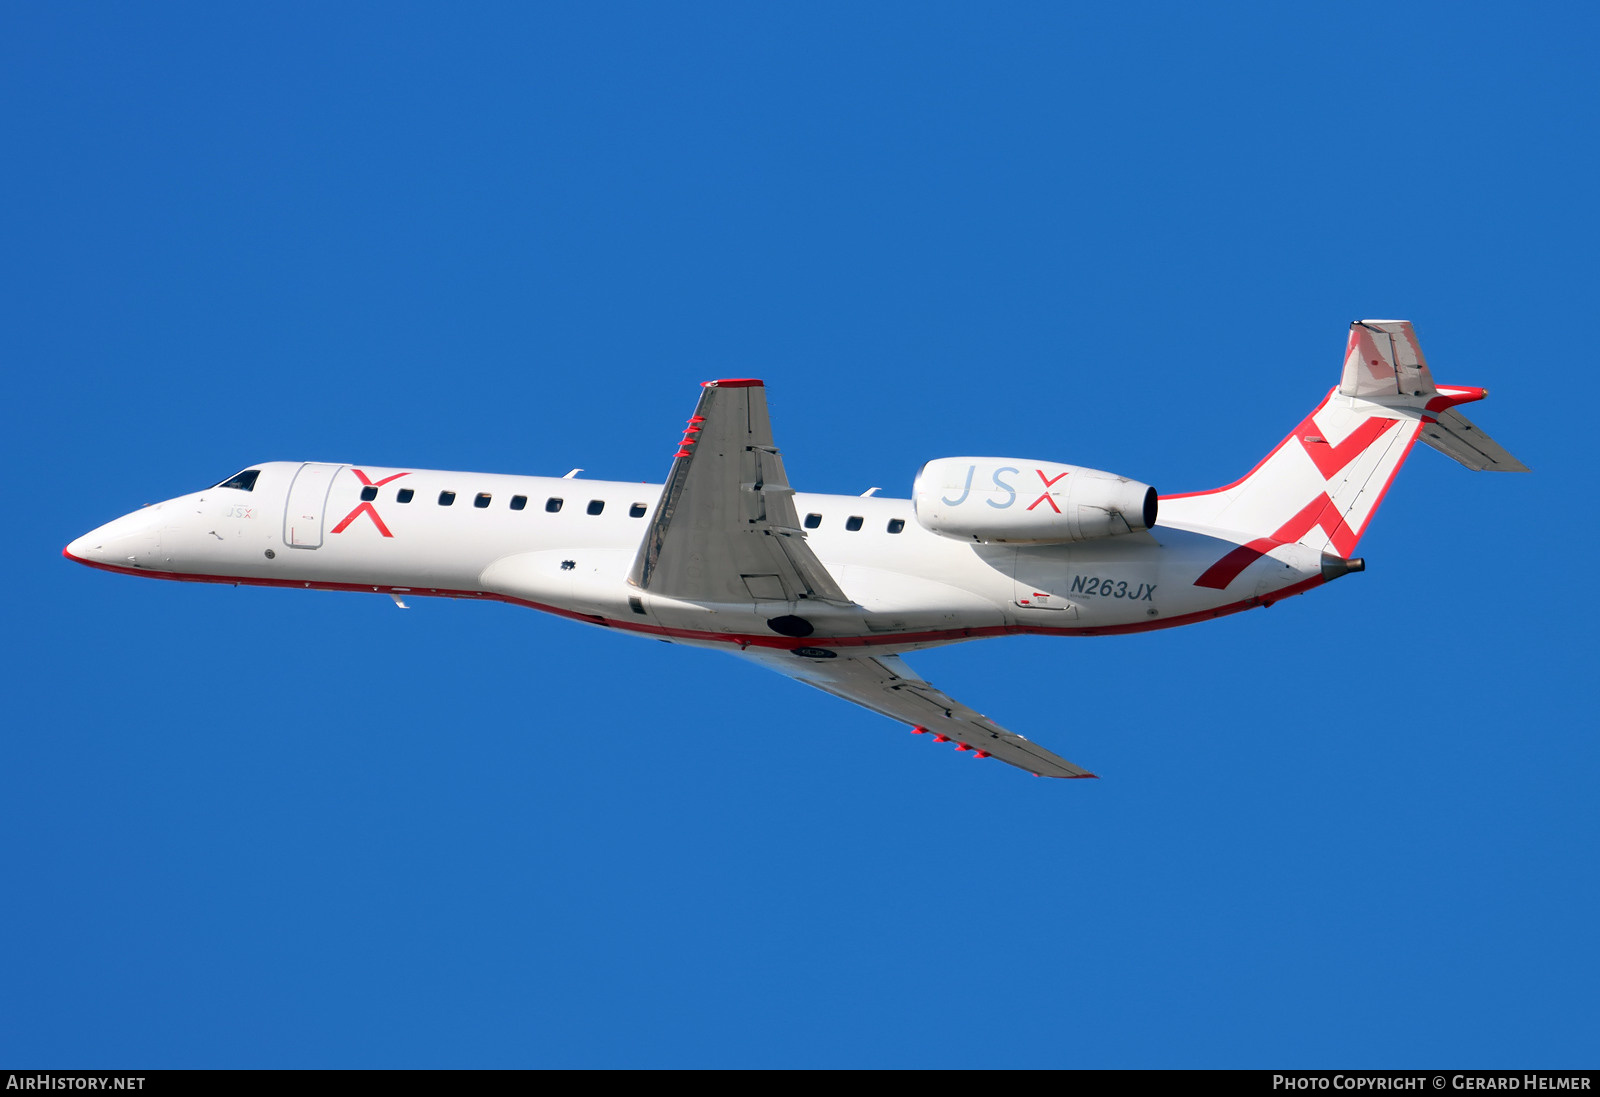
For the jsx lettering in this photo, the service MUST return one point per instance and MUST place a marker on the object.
(366, 506)
(1001, 485)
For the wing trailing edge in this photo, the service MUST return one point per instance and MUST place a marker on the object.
(887, 686)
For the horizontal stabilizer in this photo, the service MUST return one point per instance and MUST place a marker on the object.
(1454, 436)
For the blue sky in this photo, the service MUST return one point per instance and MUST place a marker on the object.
(266, 828)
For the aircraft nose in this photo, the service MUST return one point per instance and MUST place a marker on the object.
(132, 541)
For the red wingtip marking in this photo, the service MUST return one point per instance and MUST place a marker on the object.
(734, 383)
(1083, 777)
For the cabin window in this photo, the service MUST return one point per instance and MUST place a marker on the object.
(813, 521)
(853, 522)
(896, 525)
(245, 481)
(636, 604)
(404, 495)
(552, 504)
(518, 502)
(482, 500)
(446, 498)
(637, 510)
(368, 494)
(596, 506)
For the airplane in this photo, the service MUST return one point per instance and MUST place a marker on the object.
(831, 590)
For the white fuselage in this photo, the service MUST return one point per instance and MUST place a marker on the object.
(308, 525)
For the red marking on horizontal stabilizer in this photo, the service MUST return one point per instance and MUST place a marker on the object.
(1450, 397)
(734, 383)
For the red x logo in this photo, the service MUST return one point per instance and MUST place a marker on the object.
(1045, 498)
(366, 507)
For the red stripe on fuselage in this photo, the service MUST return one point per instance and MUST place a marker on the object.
(741, 639)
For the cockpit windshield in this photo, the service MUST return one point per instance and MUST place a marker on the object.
(245, 481)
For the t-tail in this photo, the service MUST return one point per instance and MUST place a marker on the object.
(1322, 484)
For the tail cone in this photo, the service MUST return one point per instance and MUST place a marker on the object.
(1335, 566)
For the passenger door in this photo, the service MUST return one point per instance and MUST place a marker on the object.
(307, 505)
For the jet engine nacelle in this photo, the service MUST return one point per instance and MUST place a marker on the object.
(1008, 499)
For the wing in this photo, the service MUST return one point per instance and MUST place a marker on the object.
(726, 529)
(886, 685)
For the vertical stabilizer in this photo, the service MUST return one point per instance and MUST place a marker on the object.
(1382, 360)
(1322, 484)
